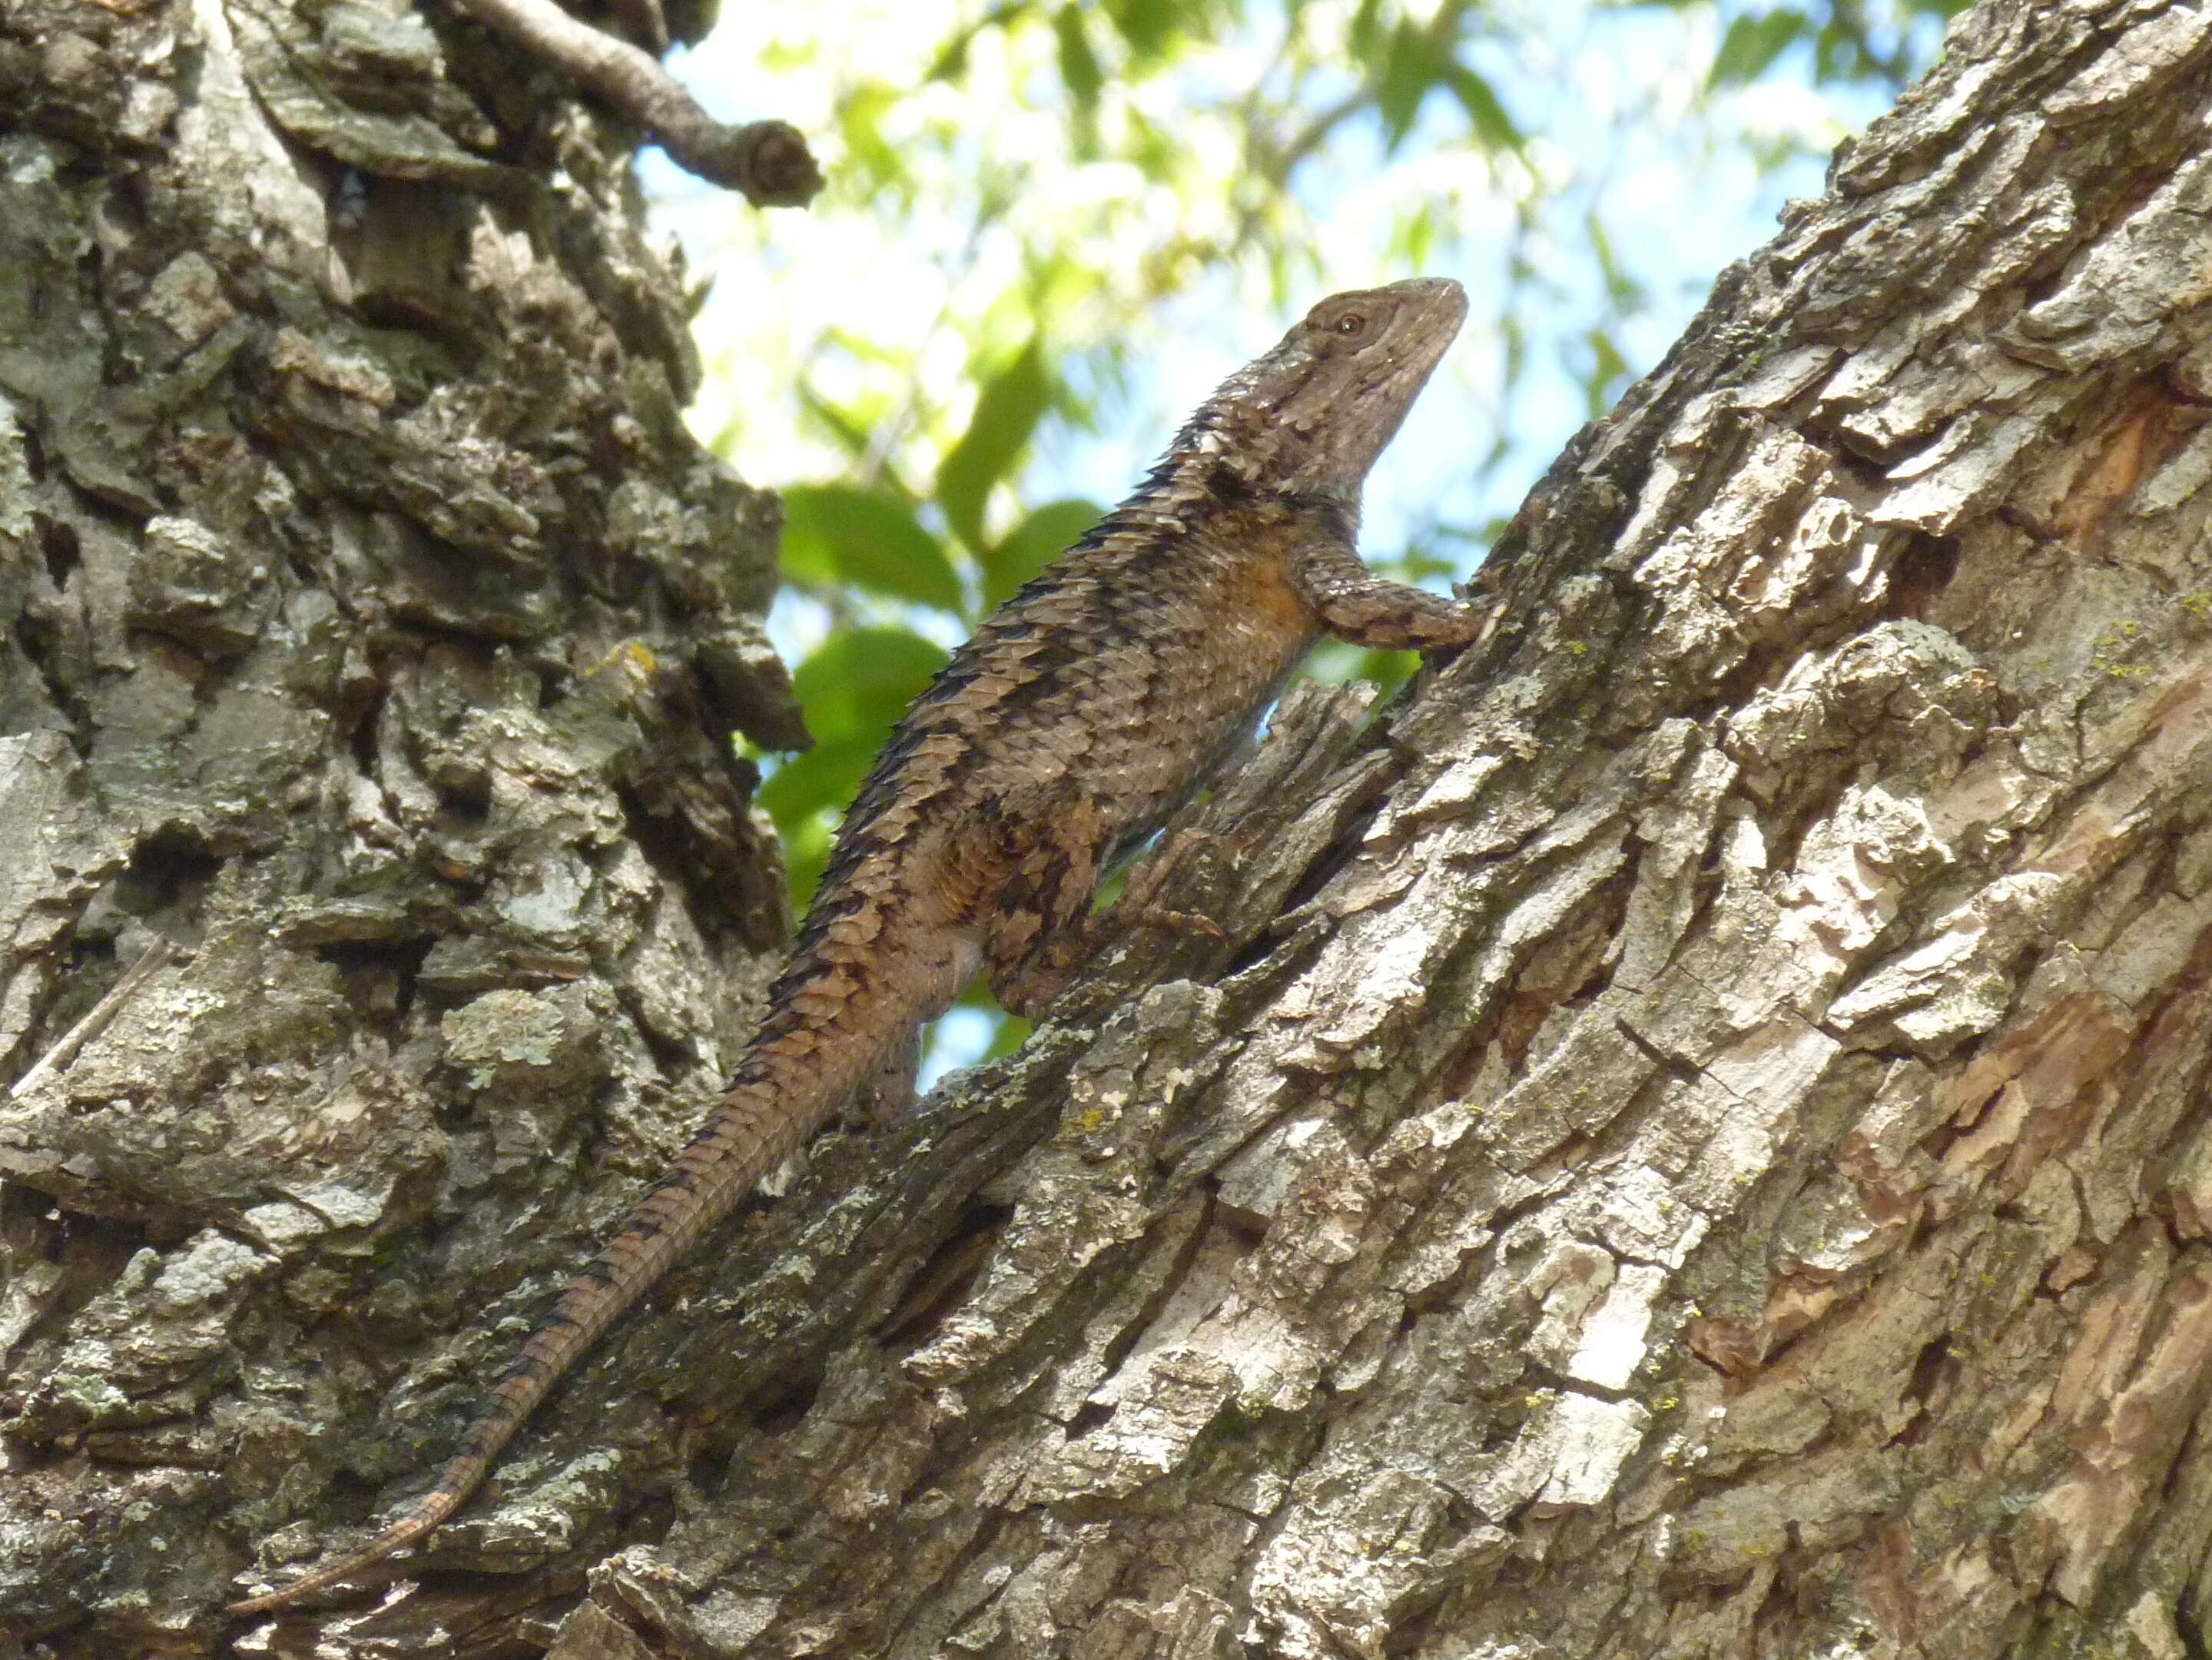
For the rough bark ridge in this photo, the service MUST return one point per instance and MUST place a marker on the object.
(1694, 1145)
(373, 630)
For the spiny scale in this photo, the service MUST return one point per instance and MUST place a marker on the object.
(1082, 711)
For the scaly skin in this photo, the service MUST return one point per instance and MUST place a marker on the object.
(1065, 732)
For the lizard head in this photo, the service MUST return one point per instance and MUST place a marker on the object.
(1309, 418)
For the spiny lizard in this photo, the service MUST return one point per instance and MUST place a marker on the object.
(1083, 711)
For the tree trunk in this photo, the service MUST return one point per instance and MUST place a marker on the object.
(1692, 1144)
(373, 633)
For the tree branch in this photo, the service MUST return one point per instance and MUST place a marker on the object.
(767, 161)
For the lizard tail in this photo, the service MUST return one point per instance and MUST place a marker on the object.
(774, 1105)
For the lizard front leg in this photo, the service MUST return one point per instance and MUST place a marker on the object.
(891, 1095)
(1356, 605)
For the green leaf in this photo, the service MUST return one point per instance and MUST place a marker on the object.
(1389, 669)
(1335, 662)
(1006, 412)
(1751, 45)
(1146, 25)
(858, 682)
(1365, 35)
(1012, 1032)
(1032, 545)
(951, 62)
(850, 436)
(1410, 72)
(1620, 285)
(1609, 371)
(1492, 127)
(1078, 64)
(861, 112)
(826, 777)
(837, 535)
(1421, 559)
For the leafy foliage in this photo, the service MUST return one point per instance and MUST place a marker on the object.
(838, 535)
(1006, 412)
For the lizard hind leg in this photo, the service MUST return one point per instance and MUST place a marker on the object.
(1139, 904)
(891, 1093)
(1036, 917)
(1043, 928)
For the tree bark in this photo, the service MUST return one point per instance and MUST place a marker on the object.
(373, 632)
(1693, 1143)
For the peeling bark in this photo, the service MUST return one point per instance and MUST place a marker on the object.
(1692, 1143)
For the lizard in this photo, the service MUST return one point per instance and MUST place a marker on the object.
(1063, 734)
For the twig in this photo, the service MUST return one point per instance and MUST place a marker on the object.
(158, 956)
(768, 160)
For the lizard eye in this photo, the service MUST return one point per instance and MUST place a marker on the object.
(1350, 325)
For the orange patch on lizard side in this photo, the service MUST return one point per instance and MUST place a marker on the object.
(1261, 589)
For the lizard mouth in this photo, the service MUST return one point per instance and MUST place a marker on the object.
(1421, 329)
